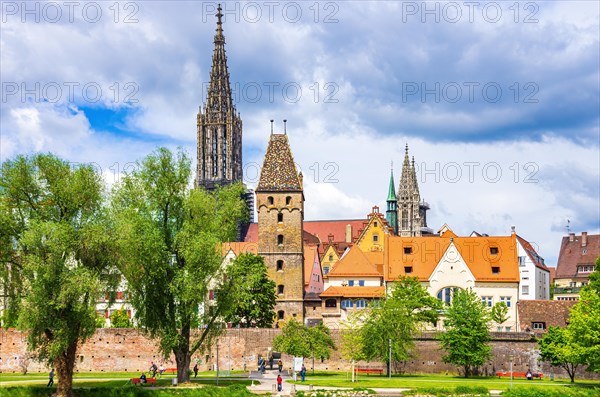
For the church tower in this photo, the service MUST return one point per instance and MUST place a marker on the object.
(411, 212)
(280, 204)
(219, 125)
(391, 215)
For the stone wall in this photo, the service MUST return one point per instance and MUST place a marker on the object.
(128, 350)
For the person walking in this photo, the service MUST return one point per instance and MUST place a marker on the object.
(50, 378)
(280, 365)
(153, 369)
(195, 370)
(303, 372)
(271, 362)
(279, 383)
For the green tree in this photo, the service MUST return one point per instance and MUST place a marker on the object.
(584, 322)
(169, 240)
(499, 313)
(60, 244)
(397, 319)
(256, 298)
(120, 319)
(467, 334)
(351, 339)
(555, 347)
(298, 340)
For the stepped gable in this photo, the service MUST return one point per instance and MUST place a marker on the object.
(279, 170)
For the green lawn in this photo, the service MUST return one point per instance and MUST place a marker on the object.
(321, 379)
(103, 375)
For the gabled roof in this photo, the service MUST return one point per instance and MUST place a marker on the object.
(552, 313)
(354, 292)
(475, 251)
(354, 263)
(533, 255)
(279, 169)
(572, 254)
(239, 248)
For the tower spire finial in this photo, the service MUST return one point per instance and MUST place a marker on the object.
(271, 127)
(285, 127)
(219, 36)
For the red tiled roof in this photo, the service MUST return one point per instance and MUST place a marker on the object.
(533, 255)
(551, 313)
(322, 229)
(572, 254)
(354, 292)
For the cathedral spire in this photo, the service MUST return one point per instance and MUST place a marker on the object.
(409, 216)
(219, 124)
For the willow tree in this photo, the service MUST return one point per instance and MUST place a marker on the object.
(169, 241)
(60, 245)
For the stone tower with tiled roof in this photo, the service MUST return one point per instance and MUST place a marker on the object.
(280, 205)
(219, 136)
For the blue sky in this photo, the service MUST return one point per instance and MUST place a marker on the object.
(498, 102)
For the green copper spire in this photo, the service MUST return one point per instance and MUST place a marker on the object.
(391, 215)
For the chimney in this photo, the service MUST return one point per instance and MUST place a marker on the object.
(348, 233)
(571, 237)
(513, 230)
(583, 239)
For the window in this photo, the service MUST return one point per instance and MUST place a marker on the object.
(375, 238)
(280, 289)
(487, 301)
(270, 200)
(585, 269)
(525, 289)
(280, 315)
(350, 283)
(573, 284)
(493, 250)
(507, 329)
(495, 269)
(521, 261)
(375, 224)
(539, 326)
(506, 300)
(280, 265)
(325, 270)
(445, 294)
(499, 329)
(280, 217)
(280, 239)
(288, 200)
(330, 257)
(361, 283)
(331, 303)
(407, 250)
(407, 269)
(361, 303)
(347, 303)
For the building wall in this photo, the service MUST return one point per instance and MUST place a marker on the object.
(291, 252)
(128, 350)
(535, 282)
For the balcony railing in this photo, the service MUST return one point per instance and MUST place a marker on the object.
(567, 290)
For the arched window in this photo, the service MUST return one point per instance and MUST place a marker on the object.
(280, 315)
(270, 200)
(445, 294)
(280, 289)
(280, 265)
(288, 200)
(280, 217)
(280, 239)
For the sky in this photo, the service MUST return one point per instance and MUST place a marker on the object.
(499, 102)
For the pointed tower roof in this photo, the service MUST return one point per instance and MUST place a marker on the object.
(219, 101)
(392, 189)
(414, 175)
(406, 179)
(279, 169)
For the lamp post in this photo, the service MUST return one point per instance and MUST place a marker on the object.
(511, 357)
(390, 358)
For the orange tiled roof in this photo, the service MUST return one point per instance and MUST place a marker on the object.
(310, 251)
(354, 292)
(354, 263)
(240, 247)
(475, 251)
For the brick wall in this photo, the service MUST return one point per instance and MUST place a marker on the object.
(128, 350)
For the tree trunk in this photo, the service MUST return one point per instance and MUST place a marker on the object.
(65, 364)
(183, 356)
